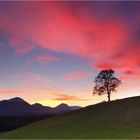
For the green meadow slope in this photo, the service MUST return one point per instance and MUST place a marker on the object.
(117, 119)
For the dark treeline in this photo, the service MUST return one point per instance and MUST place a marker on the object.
(12, 122)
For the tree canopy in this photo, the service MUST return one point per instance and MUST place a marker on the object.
(106, 83)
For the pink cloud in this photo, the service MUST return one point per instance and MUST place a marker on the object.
(76, 75)
(128, 72)
(107, 42)
(31, 78)
(104, 66)
(11, 92)
(64, 31)
(43, 88)
(66, 97)
(45, 59)
(24, 49)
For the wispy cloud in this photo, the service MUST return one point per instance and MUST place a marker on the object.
(76, 75)
(43, 88)
(45, 59)
(66, 97)
(31, 78)
(11, 92)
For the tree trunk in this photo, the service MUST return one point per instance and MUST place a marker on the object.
(108, 96)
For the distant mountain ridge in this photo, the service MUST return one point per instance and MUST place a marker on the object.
(19, 107)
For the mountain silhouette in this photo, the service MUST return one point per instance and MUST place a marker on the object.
(18, 107)
(62, 107)
(17, 99)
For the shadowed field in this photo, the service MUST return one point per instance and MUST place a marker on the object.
(117, 119)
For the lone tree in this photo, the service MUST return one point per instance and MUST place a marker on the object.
(106, 83)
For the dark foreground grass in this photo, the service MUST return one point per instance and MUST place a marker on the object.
(117, 119)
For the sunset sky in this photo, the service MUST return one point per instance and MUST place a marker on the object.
(50, 52)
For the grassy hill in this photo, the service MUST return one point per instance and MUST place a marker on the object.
(117, 119)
